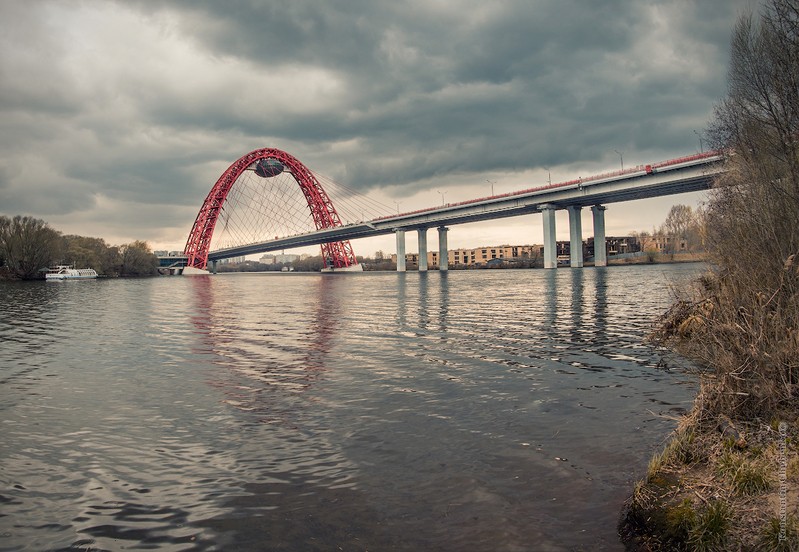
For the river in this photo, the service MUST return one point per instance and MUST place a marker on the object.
(474, 410)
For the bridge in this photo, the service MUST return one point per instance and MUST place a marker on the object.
(676, 176)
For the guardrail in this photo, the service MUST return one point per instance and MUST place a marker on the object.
(648, 168)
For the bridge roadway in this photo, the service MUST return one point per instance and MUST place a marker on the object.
(677, 176)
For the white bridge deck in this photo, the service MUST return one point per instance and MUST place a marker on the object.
(688, 174)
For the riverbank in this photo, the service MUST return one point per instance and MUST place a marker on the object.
(641, 258)
(656, 258)
(718, 485)
(727, 478)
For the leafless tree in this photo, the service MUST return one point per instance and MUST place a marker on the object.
(28, 245)
(682, 223)
(753, 214)
(759, 118)
(138, 259)
(744, 321)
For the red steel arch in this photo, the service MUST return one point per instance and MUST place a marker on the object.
(336, 254)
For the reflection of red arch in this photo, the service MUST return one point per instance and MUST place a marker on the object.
(338, 254)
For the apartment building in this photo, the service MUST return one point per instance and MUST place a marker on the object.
(483, 255)
(479, 256)
(509, 254)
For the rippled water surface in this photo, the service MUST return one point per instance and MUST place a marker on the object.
(480, 410)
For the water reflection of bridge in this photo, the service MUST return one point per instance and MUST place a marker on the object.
(241, 337)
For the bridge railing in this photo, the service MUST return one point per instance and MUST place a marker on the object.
(576, 181)
(687, 159)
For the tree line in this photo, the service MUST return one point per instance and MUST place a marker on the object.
(683, 225)
(307, 264)
(28, 246)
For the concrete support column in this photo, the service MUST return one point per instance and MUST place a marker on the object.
(600, 250)
(213, 267)
(400, 250)
(576, 237)
(422, 249)
(443, 252)
(550, 245)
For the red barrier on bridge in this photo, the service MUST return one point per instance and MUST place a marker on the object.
(649, 169)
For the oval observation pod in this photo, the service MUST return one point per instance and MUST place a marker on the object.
(267, 168)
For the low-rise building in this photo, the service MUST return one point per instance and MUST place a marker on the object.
(664, 244)
(482, 255)
(479, 256)
(499, 255)
(286, 258)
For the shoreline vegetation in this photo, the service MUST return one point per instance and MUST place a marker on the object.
(28, 246)
(314, 264)
(728, 477)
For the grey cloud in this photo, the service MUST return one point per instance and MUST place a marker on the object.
(419, 91)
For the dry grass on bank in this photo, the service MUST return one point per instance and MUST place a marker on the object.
(716, 487)
(748, 334)
(661, 258)
(716, 484)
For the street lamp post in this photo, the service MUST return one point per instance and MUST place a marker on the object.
(492, 186)
(549, 175)
(442, 197)
(621, 158)
(701, 146)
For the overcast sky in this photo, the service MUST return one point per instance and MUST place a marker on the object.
(118, 117)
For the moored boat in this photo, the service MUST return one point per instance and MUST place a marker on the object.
(65, 272)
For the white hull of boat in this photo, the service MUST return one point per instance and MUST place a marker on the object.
(191, 271)
(352, 268)
(68, 273)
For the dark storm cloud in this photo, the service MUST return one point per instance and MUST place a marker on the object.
(146, 103)
(463, 87)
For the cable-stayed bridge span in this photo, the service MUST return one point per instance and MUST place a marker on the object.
(686, 174)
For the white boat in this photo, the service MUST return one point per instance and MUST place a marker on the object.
(64, 272)
(351, 268)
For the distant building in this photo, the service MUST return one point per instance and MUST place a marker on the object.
(665, 244)
(286, 259)
(614, 245)
(281, 258)
(483, 255)
(479, 256)
(504, 255)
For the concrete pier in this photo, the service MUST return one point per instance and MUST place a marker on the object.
(443, 253)
(422, 249)
(576, 237)
(400, 250)
(600, 250)
(550, 245)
